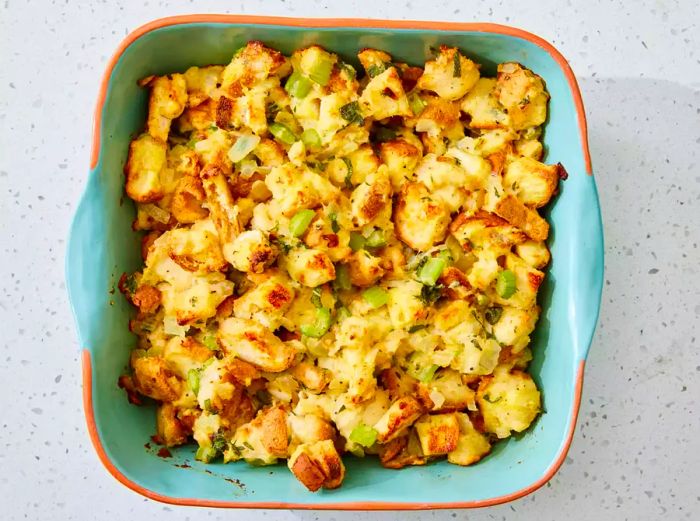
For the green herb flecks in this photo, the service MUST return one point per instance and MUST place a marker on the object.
(352, 113)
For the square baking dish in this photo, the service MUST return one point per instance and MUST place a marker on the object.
(102, 246)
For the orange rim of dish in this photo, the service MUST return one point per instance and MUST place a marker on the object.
(327, 23)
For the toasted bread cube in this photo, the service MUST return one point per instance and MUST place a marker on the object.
(535, 253)
(400, 415)
(371, 198)
(196, 248)
(295, 189)
(401, 158)
(523, 94)
(201, 83)
(533, 182)
(508, 401)
(252, 252)
(483, 107)
(364, 268)
(147, 158)
(166, 102)
(471, 444)
(373, 60)
(186, 205)
(384, 97)
(404, 303)
(313, 378)
(514, 327)
(274, 435)
(420, 220)
(222, 209)
(531, 148)
(267, 301)
(310, 267)
(457, 394)
(317, 465)
(510, 208)
(255, 344)
(154, 378)
(446, 180)
(169, 430)
(252, 64)
(438, 116)
(450, 75)
(438, 433)
(527, 283)
(309, 428)
(485, 230)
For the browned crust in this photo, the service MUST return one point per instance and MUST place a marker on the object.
(274, 436)
(529, 221)
(308, 472)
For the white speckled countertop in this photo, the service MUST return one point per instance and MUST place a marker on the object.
(636, 453)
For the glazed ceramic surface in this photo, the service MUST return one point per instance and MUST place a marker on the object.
(102, 246)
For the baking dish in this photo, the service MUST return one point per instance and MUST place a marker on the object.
(101, 246)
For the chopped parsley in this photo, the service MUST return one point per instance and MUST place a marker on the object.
(349, 69)
(430, 294)
(417, 327)
(316, 297)
(351, 113)
(334, 222)
(493, 315)
(377, 68)
(457, 72)
(219, 443)
(348, 175)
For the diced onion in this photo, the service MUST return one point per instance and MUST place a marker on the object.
(171, 327)
(158, 214)
(243, 146)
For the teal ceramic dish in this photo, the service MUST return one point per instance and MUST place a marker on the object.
(102, 246)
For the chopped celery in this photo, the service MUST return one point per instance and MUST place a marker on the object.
(193, 380)
(505, 284)
(375, 296)
(300, 222)
(376, 239)
(282, 133)
(322, 324)
(320, 71)
(298, 86)
(431, 270)
(419, 369)
(416, 103)
(205, 454)
(311, 139)
(342, 278)
(357, 241)
(364, 435)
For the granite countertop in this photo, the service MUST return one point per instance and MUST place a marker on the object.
(636, 452)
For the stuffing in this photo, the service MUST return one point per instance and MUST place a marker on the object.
(147, 158)
(421, 221)
(508, 401)
(438, 433)
(533, 182)
(252, 342)
(401, 159)
(317, 465)
(166, 102)
(450, 75)
(338, 260)
(310, 267)
(522, 93)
